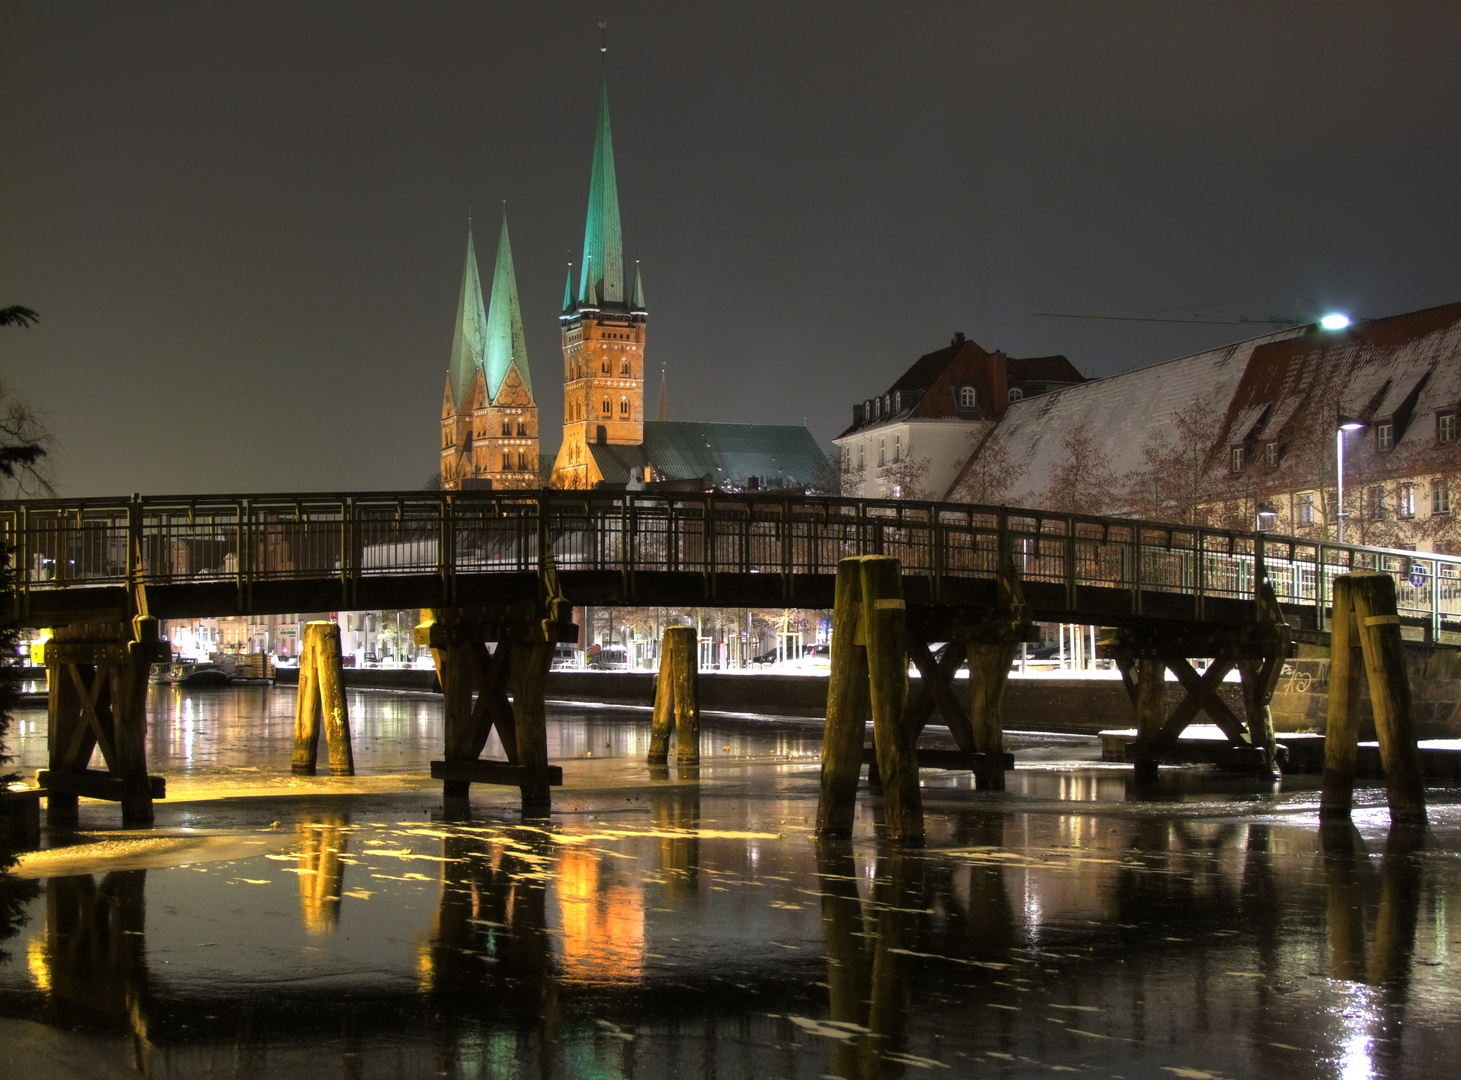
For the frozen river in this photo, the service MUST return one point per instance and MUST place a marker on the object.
(668, 925)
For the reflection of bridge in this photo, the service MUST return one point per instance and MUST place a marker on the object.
(507, 567)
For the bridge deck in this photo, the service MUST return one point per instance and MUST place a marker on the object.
(202, 556)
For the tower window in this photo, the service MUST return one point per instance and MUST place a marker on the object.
(624, 366)
(608, 408)
(507, 427)
(604, 366)
(506, 461)
(522, 428)
(623, 406)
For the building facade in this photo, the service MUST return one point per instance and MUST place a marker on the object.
(489, 420)
(911, 441)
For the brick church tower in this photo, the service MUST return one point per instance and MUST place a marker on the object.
(489, 421)
(603, 331)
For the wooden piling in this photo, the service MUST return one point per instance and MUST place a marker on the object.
(847, 706)
(1341, 728)
(885, 625)
(530, 661)
(989, 670)
(129, 715)
(1148, 699)
(322, 697)
(676, 699)
(1378, 622)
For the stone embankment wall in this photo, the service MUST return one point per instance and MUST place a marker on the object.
(1301, 701)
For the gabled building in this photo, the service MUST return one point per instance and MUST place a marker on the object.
(489, 420)
(911, 440)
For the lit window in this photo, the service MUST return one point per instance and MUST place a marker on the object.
(1304, 510)
(1446, 427)
(882, 452)
(1405, 501)
(1440, 496)
(1270, 454)
(966, 397)
(897, 448)
(1237, 459)
(1384, 435)
(861, 456)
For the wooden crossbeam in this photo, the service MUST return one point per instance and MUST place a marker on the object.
(937, 690)
(94, 784)
(496, 772)
(93, 701)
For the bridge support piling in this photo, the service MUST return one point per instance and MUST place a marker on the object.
(1365, 613)
(98, 677)
(676, 699)
(869, 667)
(989, 670)
(321, 697)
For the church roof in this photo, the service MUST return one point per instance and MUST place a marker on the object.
(726, 456)
(603, 244)
(469, 339)
(506, 346)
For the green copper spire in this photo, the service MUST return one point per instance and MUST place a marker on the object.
(638, 302)
(471, 331)
(590, 297)
(568, 291)
(506, 347)
(603, 243)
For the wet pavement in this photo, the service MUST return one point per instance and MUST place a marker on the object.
(664, 924)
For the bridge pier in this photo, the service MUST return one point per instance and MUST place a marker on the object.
(509, 682)
(98, 677)
(1257, 651)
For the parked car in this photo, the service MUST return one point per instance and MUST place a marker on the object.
(609, 658)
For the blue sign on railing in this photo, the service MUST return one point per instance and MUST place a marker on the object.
(1418, 575)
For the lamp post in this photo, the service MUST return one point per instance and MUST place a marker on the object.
(1344, 424)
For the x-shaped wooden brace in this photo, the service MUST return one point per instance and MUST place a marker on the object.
(1202, 695)
(492, 709)
(90, 717)
(934, 691)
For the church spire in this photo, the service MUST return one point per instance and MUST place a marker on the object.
(505, 345)
(603, 244)
(568, 305)
(637, 304)
(471, 330)
(664, 396)
(590, 297)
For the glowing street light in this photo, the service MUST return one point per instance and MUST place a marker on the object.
(1342, 425)
(1335, 320)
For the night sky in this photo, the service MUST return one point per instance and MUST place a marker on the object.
(244, 228)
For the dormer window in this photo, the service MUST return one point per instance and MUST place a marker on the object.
(1237, 459)
(888, 404)
(898, 401)
(967, 399)
(1446, 426)
(1385, 435)
(1016, 394)
(1270, 454)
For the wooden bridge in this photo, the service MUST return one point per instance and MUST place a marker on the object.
(507, 568)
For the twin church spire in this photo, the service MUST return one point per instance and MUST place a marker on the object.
(489, 418)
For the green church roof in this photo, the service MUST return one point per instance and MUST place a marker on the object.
(603, 244)
(471, 330)
(727, 455)
(506, 346)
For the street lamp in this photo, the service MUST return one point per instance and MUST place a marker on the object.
(1344, 424)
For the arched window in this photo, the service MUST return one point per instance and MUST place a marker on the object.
(1016, 394)
(607, 407)
(506, 461)
(966, 397)
(624, 366)
(604, 366)
(522, 428)
(507, 427)
(623, 406)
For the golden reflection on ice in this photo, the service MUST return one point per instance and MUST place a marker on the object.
(321, 873)
(602, 917)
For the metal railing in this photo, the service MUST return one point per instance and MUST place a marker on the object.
(65, 544)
